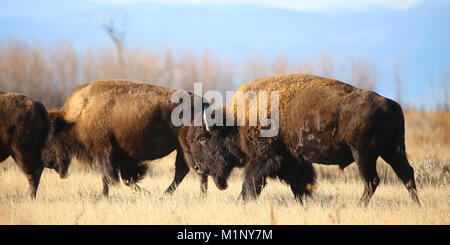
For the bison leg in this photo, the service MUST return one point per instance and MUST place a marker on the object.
(106, 180)
(3, 156)
(135, 187)
(31, 171)
(131, 172)
(366, 162)
(299, 176)
(33, 180)
(203, 184)
(254, 182)
(399, 163)
(110, 173)
(181, 170)
(252, 187)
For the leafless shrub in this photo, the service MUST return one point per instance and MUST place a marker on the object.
(445, 87)
(399, 77)
(26, 68)
(254, 67)
(281, 64)
(326, 64)
(49, 73)
(363, 73)
(306, 66)
(432, 172)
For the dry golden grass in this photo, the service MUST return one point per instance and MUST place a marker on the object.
(427, 134)
(78, 199)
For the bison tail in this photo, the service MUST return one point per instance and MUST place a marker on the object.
(399, 130)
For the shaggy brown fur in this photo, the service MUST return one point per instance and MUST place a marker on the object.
(321, 120)
(24, 127)
(287, 86)
(116, 125)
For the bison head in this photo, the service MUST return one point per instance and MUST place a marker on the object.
(48, 157)
(55, 152)
(213, 150)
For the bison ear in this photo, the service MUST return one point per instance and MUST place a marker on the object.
(57, 121)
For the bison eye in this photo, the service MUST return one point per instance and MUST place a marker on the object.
(197, 169)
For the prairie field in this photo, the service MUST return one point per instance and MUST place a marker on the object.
(335, 200)
(50, 48)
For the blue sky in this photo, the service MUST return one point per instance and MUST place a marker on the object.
(415, 32)
(298, 5)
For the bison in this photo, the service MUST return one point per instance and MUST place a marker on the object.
(24, 128)
(320, 120)
(116, 125)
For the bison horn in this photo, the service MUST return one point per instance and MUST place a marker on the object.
(208, 127)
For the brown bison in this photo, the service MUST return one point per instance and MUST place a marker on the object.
(320, 120)
(24, 127)
(117, 125)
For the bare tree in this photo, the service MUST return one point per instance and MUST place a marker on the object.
(169, 68)
(306, 66)
(190, 71)
(117, 35)
(281, 64)
(228, 75)
(64, 66)
(445, 83)
(399, 77)
(326, 64)
(254, 67)
(363, 74)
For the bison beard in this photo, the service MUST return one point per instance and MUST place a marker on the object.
(220, 173)
(223, 148)
(321, 120)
